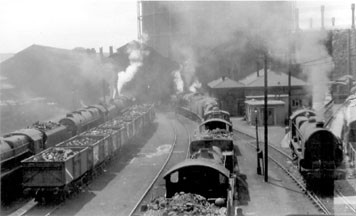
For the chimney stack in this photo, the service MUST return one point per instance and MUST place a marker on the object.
(322, 16)
(296, 19)
(353, 15)
(311, 23)
(111, 50)
(333, 21)
(101, 52)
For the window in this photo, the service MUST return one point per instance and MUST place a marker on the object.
(174, 177)
(296, 102)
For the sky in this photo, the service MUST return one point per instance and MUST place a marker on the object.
(102, 23)
(66, 23)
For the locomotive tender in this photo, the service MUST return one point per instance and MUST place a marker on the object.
(316, 149)
(21, 144)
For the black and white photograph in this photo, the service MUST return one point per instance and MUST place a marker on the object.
(177, 108)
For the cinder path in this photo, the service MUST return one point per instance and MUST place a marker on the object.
(280, 195)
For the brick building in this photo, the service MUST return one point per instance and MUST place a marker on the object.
(244, 96)
(229, 93)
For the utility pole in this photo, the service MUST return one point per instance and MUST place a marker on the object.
(266, 117)
(259, 152)
(349, 64)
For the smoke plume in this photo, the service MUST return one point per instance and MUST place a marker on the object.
(136, 55)
(195, 86)
(316, 65)
(219, 29)
(178, 80)
(233, 35)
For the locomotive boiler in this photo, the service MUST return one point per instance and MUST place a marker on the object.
(317, 151)
(198, 107)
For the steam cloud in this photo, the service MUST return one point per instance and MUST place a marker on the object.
(316, 64)
(231, 25)
(136, 56)
(196, 85)
(178, 80)
(236, 28)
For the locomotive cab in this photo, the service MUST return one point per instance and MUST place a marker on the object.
(213, 124)
(203, 177)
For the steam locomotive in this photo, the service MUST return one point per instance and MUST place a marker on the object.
(60, 170)
(199, 107)
(343, 125)
(317, 151)
(21, 144)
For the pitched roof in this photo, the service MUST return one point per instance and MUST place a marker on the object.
(225, 82)
(43, 71)
(274, 79)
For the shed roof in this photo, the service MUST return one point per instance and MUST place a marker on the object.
(225, 82)
(274, 79)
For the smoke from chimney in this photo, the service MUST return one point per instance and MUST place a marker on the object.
(136, 55)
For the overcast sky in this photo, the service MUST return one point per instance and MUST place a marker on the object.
(66, 23)
(95, 23)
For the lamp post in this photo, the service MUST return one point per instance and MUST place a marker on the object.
(259, 153)
(266, 118)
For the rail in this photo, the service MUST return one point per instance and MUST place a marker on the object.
(135, 209)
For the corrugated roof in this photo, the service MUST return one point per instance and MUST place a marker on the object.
(225, 82)
(274, 79)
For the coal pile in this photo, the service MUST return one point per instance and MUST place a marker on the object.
(183, 204)
(216, 134)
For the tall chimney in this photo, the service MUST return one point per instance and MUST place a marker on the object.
(296, 19)
(101, 52)
(353, 15)
(111, 50)
(333, 21)
(322, 16)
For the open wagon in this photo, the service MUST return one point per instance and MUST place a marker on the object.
(55, 172)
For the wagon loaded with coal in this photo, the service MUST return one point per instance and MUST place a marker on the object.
(67, 167)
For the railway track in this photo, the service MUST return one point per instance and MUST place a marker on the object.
(157, 185)
(284, 161)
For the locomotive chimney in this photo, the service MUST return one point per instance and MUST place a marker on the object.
(320, 124)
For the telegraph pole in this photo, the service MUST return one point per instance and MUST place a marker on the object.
(266, 118)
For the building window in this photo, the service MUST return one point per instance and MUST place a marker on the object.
(296, 102)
